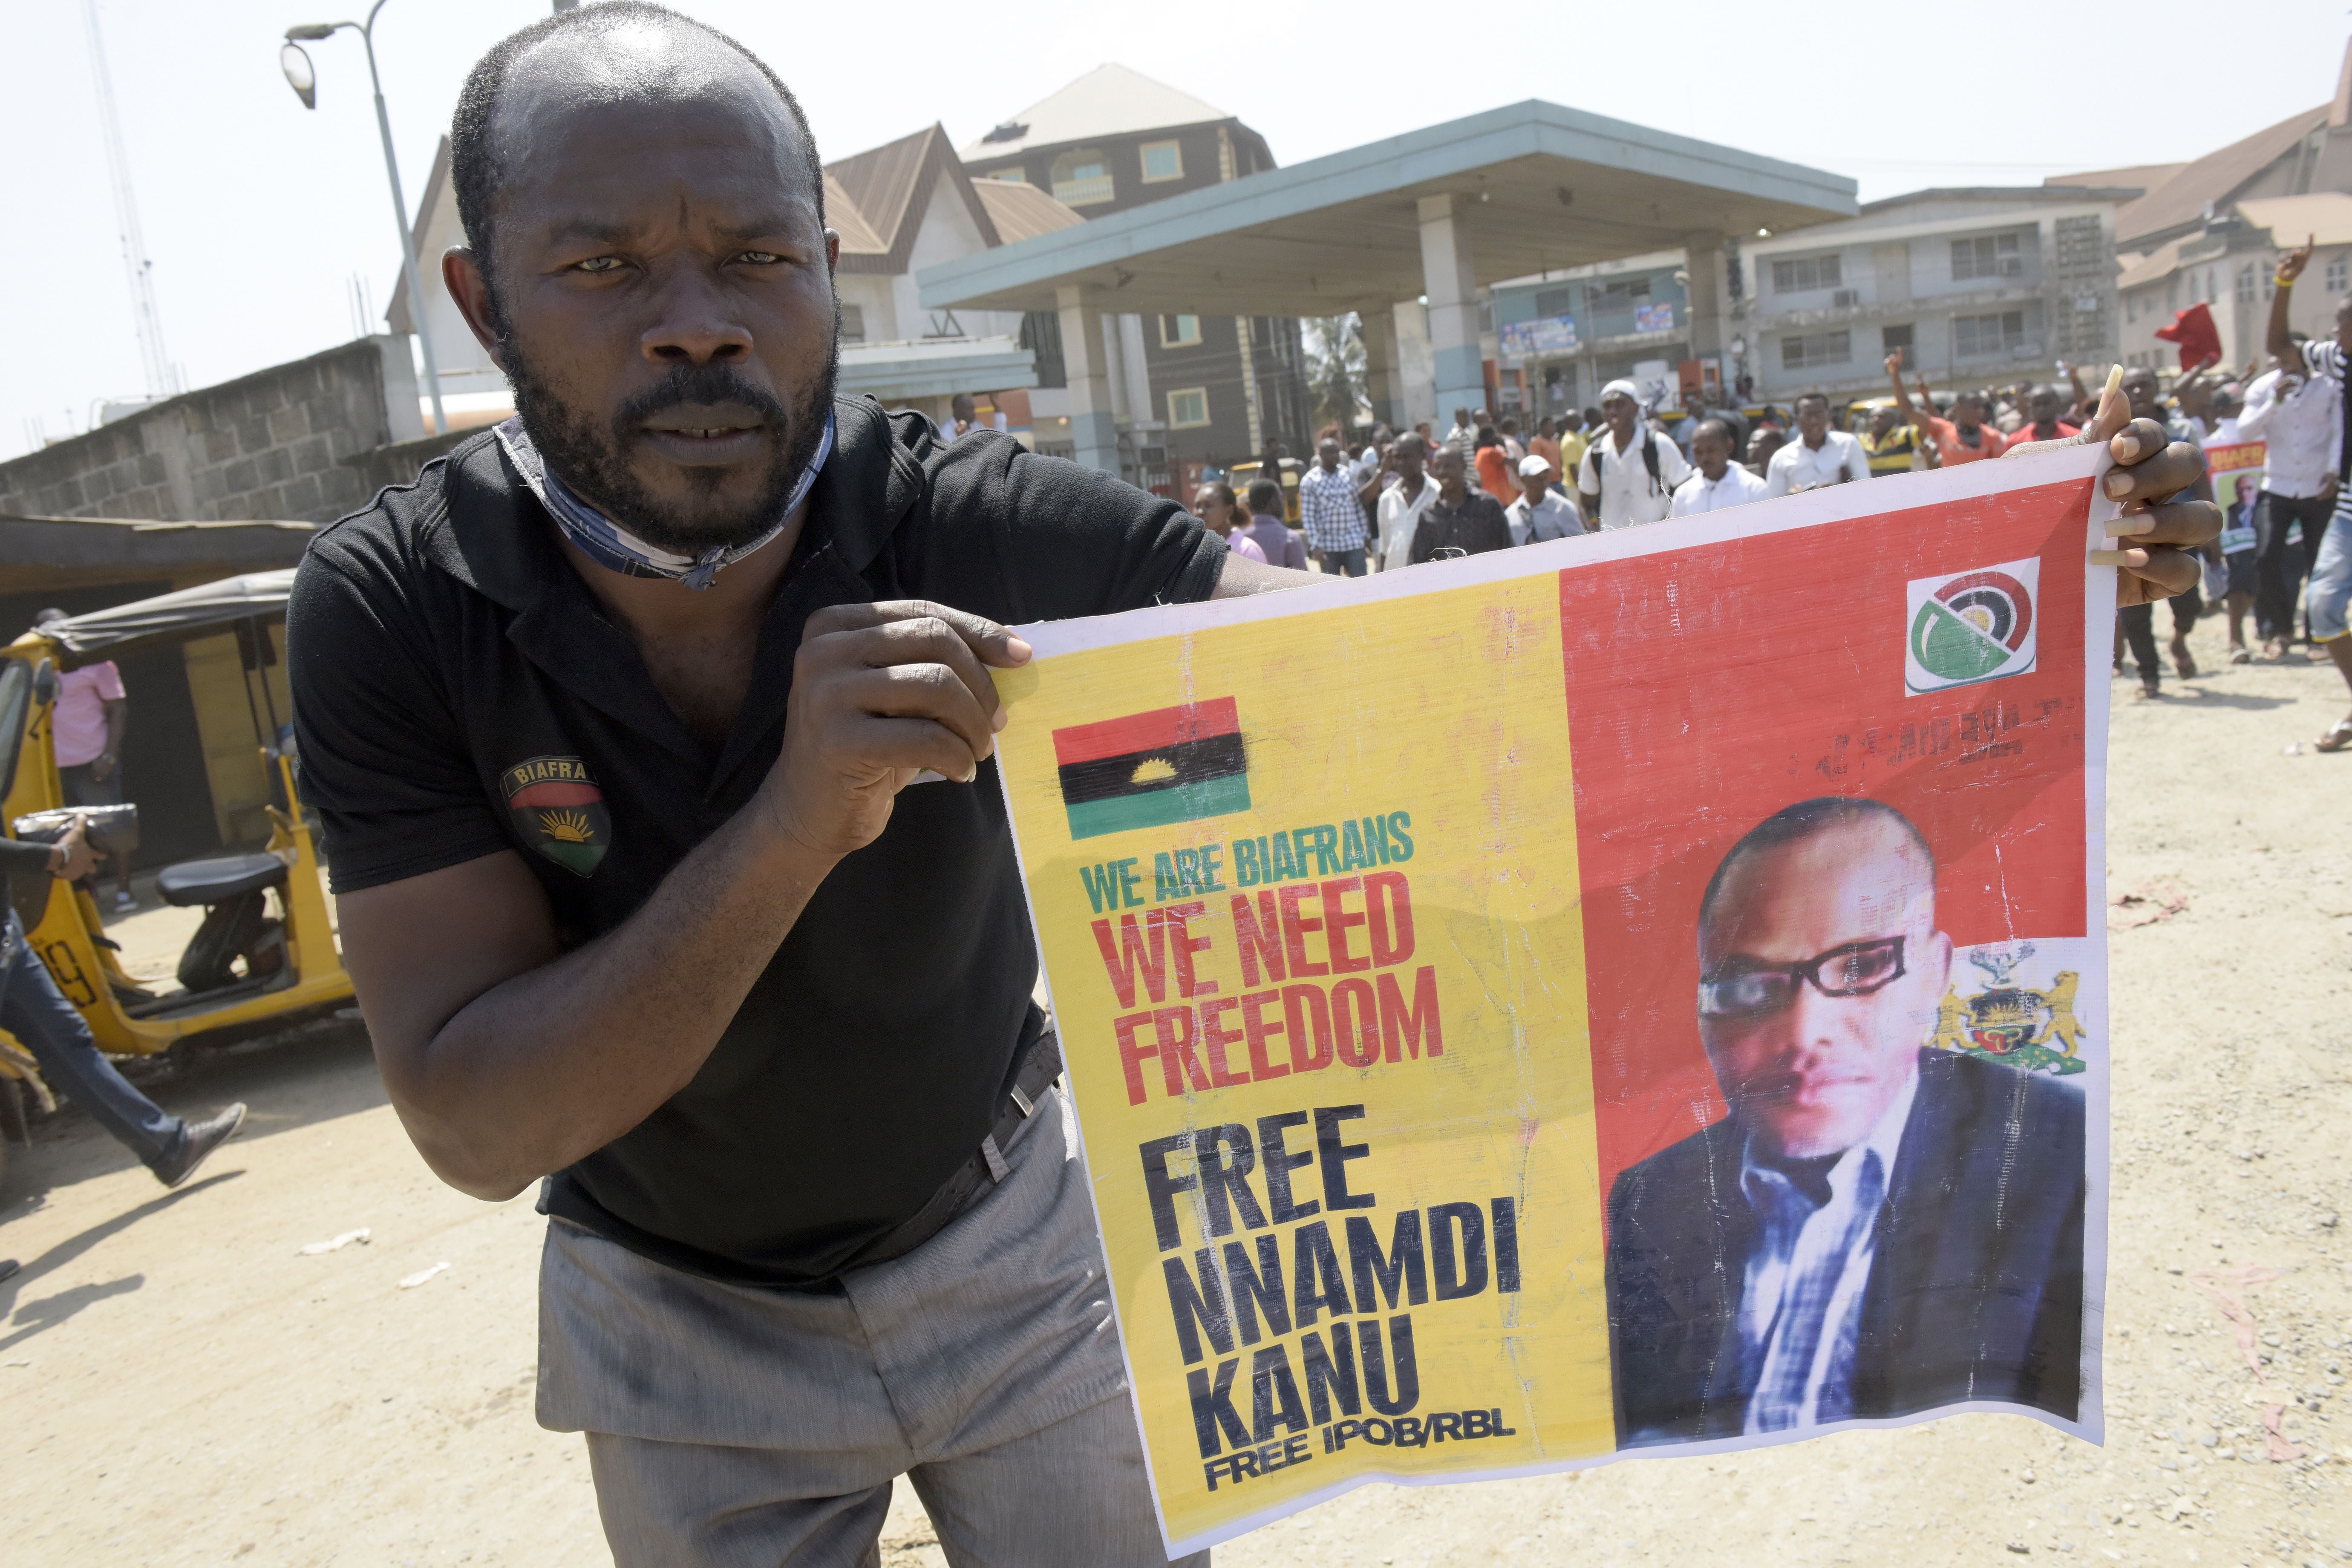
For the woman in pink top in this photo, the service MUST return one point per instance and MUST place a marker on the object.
(1221, 511)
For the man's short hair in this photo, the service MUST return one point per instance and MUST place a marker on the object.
(1719, 427)
(1794, 823)
(474, 168)
(1804, 397)
(1266, 496)
(1415, 440)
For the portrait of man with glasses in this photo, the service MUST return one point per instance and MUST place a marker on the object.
(1877, 1228)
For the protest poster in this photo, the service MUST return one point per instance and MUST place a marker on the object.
(1632, 994)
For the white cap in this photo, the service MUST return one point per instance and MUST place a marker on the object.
(1621, 388)
(1535, 463)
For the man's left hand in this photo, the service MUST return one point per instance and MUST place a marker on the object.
(101, 767)
(2159, 536)
(77, 859)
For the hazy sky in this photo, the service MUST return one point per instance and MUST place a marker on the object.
(259, 213)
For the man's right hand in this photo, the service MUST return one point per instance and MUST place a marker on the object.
(881, 692)
(79, 859)
(2291, 265)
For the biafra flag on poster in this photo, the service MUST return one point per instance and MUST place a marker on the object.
(1148, 770)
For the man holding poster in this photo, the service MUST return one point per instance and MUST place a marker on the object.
(646, 731)
(1878, 1227)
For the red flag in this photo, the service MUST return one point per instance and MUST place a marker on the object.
(2193, 329)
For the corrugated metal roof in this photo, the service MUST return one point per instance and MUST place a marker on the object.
(2213, 179)
(2323, 217)
(2144, 176)
(1023, 212)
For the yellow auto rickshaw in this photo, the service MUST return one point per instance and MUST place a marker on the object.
(1240, 474)
(266, 955)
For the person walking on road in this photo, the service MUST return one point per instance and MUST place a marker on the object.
(1819, 456)
(2331, 565)
(1403, 504)
(37, 1012)
(1330, 512)
(2298, 418)
(1462, 521)
(1276, 539)
(1720, 482)
(1629, 472)
(91, 717)
(1541, 513)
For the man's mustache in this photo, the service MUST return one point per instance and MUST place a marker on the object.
(703, 385)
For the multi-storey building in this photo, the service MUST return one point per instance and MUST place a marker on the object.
(1183, 387)
(1977, 287)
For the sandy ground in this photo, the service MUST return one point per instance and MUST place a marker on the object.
(179, 1386)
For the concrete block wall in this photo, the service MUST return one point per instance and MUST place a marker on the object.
(277, 445)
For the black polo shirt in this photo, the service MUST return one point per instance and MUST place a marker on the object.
(459, 692)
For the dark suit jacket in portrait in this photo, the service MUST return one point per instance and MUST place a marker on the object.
(1975, 1289)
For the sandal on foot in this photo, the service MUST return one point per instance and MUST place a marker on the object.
(2150, 688)
(2241, 655)
(2338, 739)
(2184, 666)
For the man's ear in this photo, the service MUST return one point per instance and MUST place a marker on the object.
(461, 274)
(1937, 960)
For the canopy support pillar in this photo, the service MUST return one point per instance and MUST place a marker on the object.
(1449, 278)
(1094, 428)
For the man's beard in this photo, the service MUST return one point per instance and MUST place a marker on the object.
(590, 458)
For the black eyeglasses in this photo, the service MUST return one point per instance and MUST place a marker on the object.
(1857, 969)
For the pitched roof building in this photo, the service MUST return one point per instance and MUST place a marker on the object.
(2207, 231)
(1184, 386)
(902, 206)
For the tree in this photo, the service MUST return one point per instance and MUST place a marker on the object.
(1336, 369)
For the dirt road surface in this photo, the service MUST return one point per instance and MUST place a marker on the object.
(178, 1384)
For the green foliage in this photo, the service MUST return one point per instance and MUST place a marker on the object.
(1337, 374)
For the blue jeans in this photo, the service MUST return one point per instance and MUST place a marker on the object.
(2331, 576)
(1348, 563)
(32, 1009)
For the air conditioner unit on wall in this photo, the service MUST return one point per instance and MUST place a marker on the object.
(1845, 299)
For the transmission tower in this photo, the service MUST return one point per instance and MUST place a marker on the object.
(141, 270)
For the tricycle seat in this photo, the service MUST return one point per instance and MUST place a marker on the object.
(215, 881)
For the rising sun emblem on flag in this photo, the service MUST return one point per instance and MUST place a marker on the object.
(1148, 770)
(557, 809)
(1971, 627)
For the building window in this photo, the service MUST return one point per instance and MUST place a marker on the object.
(2246, 284)
(1082, 179)
(1803, 274)
(1893, 338)
(1974, 337)
(1013, 175)
(1815, 348)
(1987, 256)
(1188, 409)
(1180, 332)
(2337, 267)
(1163, 160)
(853, 323)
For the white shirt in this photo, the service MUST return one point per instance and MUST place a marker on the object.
(2301, 427)
(1797, 466)
(1700, 494)
(1785, 1252)
(1398, 518)
(1622, 479)
(1552, 518)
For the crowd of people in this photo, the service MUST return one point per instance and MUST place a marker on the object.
(1409, 496)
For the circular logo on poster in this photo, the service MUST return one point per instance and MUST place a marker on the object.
(1972, 626)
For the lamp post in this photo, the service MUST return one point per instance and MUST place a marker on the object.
(295, 63)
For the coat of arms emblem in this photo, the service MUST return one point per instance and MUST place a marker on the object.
(2012, 1023)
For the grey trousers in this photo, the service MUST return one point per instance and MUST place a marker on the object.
(734, 1426)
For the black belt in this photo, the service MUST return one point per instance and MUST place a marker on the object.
(1040, 1065)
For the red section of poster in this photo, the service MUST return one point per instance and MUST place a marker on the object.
(1784, 680)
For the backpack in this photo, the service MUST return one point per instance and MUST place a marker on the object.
(1649, 461)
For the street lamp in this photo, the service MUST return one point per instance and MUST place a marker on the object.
(304, 80)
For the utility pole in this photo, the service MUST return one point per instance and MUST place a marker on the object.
(161, 383)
